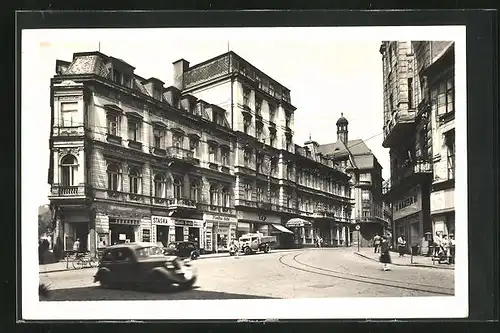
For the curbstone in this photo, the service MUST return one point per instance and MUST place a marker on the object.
(408, 265)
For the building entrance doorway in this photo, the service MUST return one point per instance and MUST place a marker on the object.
(194, 236)
(80, 232)
(179, 234)
(162, 234)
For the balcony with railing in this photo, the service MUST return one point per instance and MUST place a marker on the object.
(183, 203)
(420, 169)
(69, 131)
(64, 191)
(398, 126)
(181, 154)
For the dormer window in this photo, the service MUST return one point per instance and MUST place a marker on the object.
(117, 76)
(127, 81)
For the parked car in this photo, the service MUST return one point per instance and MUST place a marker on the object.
(143, 264)
(183, 249)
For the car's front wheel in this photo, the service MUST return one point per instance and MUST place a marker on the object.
(195, 255)
(105, 279)
(188, 284)
(248, 250)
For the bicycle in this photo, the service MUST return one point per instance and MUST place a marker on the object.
(82, 260)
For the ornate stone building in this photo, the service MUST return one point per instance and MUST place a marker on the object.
(132, 160)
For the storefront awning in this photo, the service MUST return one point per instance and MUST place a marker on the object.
(282, 228)
(297, 222)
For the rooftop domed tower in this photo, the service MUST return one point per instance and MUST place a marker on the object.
(342, 129)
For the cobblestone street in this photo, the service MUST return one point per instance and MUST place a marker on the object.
(329, 272)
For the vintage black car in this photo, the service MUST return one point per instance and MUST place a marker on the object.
(183, 249)
(143, 264)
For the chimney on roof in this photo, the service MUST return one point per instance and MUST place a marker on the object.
(180, 67)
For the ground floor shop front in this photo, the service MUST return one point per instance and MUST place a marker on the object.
(307, 232)
(266, 223)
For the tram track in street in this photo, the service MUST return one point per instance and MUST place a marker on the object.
(301, 266)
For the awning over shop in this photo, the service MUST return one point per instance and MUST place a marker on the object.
(297, 222)
(282, 228)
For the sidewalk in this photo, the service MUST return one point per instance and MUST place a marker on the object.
(407, 260)
(61, 265)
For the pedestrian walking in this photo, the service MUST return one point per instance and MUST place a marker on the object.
(76, 246)
(376, 243)
(385, 257)
(401, 245)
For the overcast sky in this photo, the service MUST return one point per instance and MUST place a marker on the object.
(327, 71)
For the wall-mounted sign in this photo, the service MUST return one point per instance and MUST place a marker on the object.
(188, 223)
(146, 235)
(122, 237)
(161, 220)
(219, 218)
(259, 217)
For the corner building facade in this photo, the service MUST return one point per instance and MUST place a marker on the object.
(132, 160)
(418, 111)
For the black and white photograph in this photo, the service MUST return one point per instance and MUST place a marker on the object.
(232, 173)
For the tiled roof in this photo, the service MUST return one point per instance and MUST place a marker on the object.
(360, 155)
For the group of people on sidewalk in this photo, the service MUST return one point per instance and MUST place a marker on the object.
(444, 248)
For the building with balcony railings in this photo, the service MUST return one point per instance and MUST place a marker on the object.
(366, 182)
(275, 179)
(435, 64)
(131, 160)
(411, 125)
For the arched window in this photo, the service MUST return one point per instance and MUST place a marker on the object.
(159, 181)
(177, 187)
(134, 181)
(114, 177)
(69, 166)
(195, 190)
(213, 195)
(226, 197)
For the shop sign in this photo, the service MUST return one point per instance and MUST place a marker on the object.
(161, 220)
(220, 218)
(146, 235)
(187, 223)
(259, 217)
(122, 237)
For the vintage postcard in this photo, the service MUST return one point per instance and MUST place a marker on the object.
(244, 173)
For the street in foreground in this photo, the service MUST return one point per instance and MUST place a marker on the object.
(314, 273)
